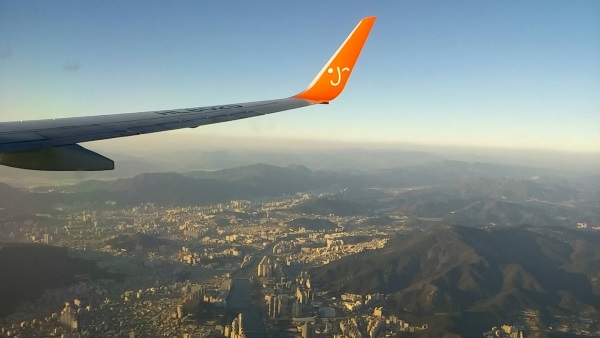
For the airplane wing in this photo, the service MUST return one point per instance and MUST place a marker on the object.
(53, 144)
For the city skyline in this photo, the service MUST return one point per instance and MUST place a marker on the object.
(503, 75)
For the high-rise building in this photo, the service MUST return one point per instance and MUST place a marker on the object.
(179, 311)
(303, 296)
(196, 292)
(227, 331)
(307, 330)
(234, 327)
(296, 310)
(240, 325)
(235, 330)
(264, 267)
(274, 306)
(68, 318)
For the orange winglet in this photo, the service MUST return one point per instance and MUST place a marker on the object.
(330, 81)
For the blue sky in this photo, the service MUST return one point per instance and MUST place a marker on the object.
(509, 74)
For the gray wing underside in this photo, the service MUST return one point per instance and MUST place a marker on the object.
(53, 143)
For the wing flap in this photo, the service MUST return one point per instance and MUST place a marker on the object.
(66, 158)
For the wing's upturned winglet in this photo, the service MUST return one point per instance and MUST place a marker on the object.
(330, 81)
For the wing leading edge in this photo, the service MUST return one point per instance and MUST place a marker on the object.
(52, 144)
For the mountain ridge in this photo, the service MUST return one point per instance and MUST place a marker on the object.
(496, 271)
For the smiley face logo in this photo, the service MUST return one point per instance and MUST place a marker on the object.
(339, 72)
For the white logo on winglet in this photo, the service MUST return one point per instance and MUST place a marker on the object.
(330, 71)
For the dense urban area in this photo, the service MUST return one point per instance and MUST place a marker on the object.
(207, 252)
(246, 268)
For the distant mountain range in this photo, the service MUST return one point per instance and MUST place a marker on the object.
(248, 182)
(460, 272)
(186, 160)
(452, 191)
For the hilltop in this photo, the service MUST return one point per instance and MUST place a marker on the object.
(465, 272)
(131, 242)
(29, 269)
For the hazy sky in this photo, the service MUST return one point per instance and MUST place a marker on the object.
(481, 73)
